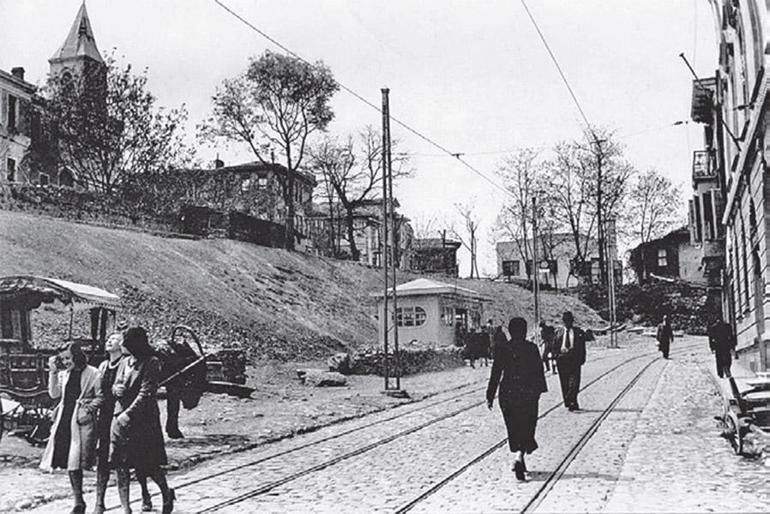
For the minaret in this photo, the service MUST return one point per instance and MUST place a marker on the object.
(79, 56)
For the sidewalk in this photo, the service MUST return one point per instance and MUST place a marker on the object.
(745, 379)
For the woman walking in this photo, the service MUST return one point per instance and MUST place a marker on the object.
(665, 335)
(107, 371)
(518, 371)
(72, 445)
(136, 436)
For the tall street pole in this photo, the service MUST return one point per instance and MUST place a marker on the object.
(384, 244)
(610, 236)
(394, 240)
(599, 211)
(535, 270)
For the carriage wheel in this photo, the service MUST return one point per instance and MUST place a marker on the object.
(185, 328)
(733, 434)
(41, 430)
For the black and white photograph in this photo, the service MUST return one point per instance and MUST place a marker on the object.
(337, 256)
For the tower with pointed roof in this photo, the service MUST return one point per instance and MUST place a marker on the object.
(79, 56)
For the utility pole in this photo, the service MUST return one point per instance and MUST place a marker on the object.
(611, 250)
(394, 242)
(535, 268)
(384, 243)
(388, 203)
(599, 211)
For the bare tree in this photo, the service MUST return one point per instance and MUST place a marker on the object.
(523, 177)
(653, 207)
(588, 181)
(468, 237)
(275, 106)
(427, 227)
(354, 173)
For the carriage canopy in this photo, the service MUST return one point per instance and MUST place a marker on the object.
(30, 291)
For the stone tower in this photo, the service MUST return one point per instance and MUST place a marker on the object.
(79, 56)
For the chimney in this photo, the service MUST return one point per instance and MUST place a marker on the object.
(18, 72)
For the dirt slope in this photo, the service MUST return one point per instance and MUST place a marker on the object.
(286, 306)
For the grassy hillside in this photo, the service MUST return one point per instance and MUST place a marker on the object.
(286, 306)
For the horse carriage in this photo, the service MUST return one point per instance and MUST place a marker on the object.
(746, 418)
(24, 401)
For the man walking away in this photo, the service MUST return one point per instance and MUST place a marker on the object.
(664, 336)
(570, 347)
(722, 342)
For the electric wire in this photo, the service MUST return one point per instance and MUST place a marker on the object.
(367, 102)
(558, 68)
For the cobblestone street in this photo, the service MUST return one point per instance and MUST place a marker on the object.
(658, 449)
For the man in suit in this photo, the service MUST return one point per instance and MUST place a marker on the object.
(570, 349)
(722, 343)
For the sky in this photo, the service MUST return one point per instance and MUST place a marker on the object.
(472, 76)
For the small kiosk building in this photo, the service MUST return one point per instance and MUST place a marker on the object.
(433, 312)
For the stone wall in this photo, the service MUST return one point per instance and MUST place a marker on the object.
(83, 207)
(412, 361)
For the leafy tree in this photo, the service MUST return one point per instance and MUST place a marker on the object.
(105, 126)
(272, 108)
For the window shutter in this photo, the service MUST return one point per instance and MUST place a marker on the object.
(691, 221)
(3, 108)
(719, 210)
(698, 224)
(709, 227)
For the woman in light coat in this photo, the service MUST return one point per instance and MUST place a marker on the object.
(72, 445)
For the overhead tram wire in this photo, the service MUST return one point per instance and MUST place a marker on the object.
(561, 72)
(367, 102)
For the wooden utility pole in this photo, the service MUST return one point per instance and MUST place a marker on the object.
(599, 212)
(387, 175)
(610, 236)
(535, 268)
(384, 242)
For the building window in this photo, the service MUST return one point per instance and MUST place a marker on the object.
(245, 185)
(511, 268)
(448, 316)
(662, 258)
(42, 179)
(11, 169)
(262, 183)
(12, 112)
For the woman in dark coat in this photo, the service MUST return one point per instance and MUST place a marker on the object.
(137, 439)
(518, 371)
(664, 336)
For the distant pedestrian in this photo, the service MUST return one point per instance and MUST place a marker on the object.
(137, 438)
(722, 343)
(72, 444)
(490, 330)
(548, 335)
(664, 335)
(570, 350)
(518, 372)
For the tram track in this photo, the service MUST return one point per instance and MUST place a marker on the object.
(419, 406)
(269, 486)
(553, 477)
